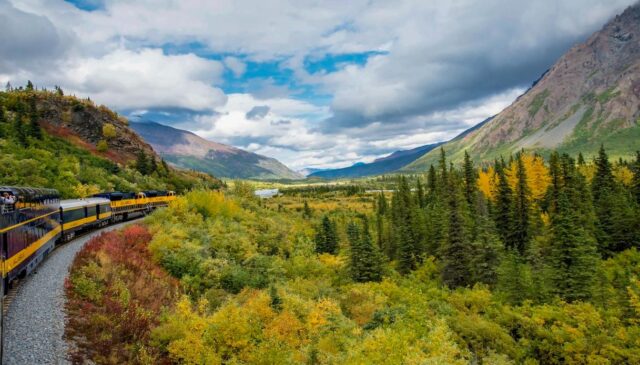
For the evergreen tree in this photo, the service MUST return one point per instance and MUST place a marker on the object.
(635, 182)
(515, 280)
(403, 225)
(306, 211)
(29, 85)
(20, 129)
(573, 254)
(432, 180)
(581, 161)
(381, 217)
(456, 253)
(442, 165)
(420, 198)
(485, 253)
(519, 237)
(366, 261)
(327, 237)
(503, 206)
(470, 182)
(142, 163)
(34, 129)
(605, 203)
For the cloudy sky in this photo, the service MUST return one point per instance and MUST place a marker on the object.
(312, 83)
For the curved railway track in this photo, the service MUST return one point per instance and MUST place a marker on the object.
(35, 319)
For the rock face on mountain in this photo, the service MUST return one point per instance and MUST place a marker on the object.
(188, 150)
(382, 165)
(590, 96)
(83, 123)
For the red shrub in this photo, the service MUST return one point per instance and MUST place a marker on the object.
(115, 295)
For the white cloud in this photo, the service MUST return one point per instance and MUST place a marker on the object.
(147, 78)
(235, 65)
(445, 66)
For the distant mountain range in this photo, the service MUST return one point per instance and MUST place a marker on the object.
(383, 165)
(188, 150)
(590, 96)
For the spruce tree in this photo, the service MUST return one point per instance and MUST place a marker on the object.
(581, 161)
(34, 129)
(503, 206)
(142, 163)
(485, 253)
(456, 252)
(20, 129)
(306, 211)
(432, 181)
(635, 182)
(365, 259)
(603, 190)
(327, 237)
(470, 182)
(519, 237)
(403, 225)
(420, 198)
(442, 166)
(381, 217)
(29, 85)
(573, 254)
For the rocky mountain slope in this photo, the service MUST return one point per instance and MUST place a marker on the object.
(590, 96)
(187, 150)
(95, 128)
(383, 165)
(51, 140)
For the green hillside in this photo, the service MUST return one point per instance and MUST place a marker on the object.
(32, 156)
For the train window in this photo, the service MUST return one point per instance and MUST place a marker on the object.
(105, 208)
(92, 211)
(72, 215)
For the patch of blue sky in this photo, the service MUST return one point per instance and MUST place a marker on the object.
(87, 5)
(333, 62)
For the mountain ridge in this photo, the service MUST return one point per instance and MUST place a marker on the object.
(188, 150)
(591, 95)
(382, 165)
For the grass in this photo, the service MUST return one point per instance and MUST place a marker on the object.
(607, 95)
(537, 102)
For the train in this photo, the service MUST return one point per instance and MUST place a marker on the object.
(37, 220)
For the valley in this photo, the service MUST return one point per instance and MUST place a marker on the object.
(366, 183)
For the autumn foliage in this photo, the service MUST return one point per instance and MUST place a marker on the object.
(116, 294)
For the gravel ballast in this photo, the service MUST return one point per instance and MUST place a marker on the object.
(34, 325)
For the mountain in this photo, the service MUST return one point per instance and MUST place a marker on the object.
(52, 140)
(590, 96)
(188, 150)
(309, 170)
(383, 165)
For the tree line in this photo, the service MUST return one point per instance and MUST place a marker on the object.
(530, 228)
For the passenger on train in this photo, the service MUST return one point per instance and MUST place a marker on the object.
(7, 202)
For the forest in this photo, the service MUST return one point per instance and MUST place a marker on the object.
(523, 261)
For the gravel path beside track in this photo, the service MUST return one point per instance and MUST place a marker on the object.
(34, 325)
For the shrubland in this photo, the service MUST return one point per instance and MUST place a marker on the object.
(525, 261)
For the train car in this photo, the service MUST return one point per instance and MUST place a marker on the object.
(29, 229)
(82, 214)
(125, 205)
(159, 198)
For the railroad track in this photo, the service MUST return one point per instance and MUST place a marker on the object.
(36, 335)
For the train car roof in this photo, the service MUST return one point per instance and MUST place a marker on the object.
(77, 203)
(31, 193)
